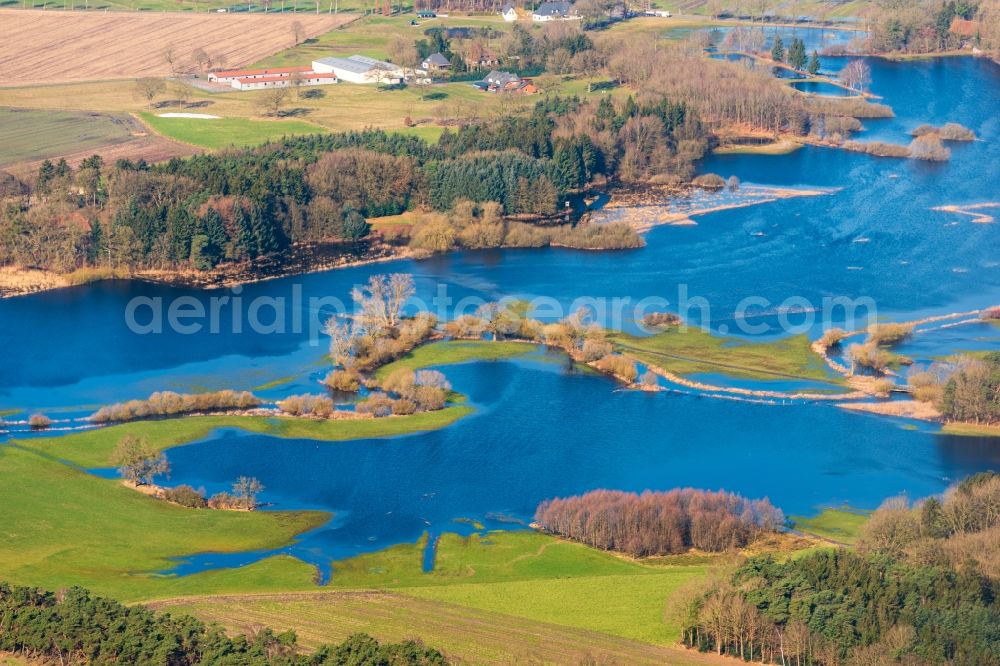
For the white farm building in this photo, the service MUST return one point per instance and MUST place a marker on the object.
(276, 77)
(264, 82)
(360, 69)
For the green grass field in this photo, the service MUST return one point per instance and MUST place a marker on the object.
(465, 634)
(223, 132)
(693, 350)
(971, 430)
(28, 134)
(502, 575)
(841, 525)
(93, 448)
(62, 526)
(371, 36)
(456, 351)
(533, 576)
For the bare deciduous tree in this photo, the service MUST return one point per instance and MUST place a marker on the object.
(381, 301)
(149, 88)
(856, 75)
(271, 101)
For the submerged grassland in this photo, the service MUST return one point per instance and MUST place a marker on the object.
(691, 350)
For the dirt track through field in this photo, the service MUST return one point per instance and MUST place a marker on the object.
(65, 46)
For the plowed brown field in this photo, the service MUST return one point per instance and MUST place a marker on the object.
(64, 46)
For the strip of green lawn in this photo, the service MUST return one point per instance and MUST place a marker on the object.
(94, 448)
(449, 352)
(841, 525)
(222, 132)
(693, 350)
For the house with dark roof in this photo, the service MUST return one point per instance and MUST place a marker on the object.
(500, 80)
(509, 13)
(554, 11)
(436, 62)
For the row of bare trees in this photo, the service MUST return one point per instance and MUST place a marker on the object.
(659, 523)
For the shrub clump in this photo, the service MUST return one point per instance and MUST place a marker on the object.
(185, 496)
(376, 404)
(869, 355)
(928, 147)
(39, 422)
(878, 148)
(889, 334)
(661, 320)
(833, 337)
(947, 132)
(317, 406)
(423, 391)
(168, 403)
(619, 366)
(343, 380)
(709, 181)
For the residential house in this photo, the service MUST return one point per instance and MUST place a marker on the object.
(509, 14)
(500, 80)
(506, 82)
(554, 11)
(435, 62)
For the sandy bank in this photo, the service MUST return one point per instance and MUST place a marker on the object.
(659, 206)
(16, 281)
(911, 409)
(971, 210)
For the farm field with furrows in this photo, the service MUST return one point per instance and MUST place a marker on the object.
(53, 47)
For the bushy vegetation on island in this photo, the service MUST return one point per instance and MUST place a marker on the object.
(921, 588)
(73, 627)
(965, 388)
(168, 403)
(657, 523)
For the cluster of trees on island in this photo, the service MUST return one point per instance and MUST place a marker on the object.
(139, 464)
(660, 523)
(922, 588)
(169, 403)
(71, 626)
(965, 388)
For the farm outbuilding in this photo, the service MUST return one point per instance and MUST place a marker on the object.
(360, 69)
(308, 79)
(232, 75)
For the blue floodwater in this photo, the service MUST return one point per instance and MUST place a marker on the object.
(540, 430)
(822, 88)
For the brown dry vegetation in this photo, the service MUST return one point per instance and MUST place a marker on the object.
(51, 47)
